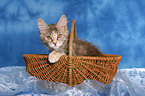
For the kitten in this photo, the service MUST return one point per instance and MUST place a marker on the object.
(56, 38)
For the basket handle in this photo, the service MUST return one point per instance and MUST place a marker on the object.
(72, 32)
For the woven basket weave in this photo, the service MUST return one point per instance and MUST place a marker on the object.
(73, 70)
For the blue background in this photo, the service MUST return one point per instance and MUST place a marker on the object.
(114, 26)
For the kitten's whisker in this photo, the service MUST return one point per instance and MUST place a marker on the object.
(68, 21)
(36, 27)
(45, 51)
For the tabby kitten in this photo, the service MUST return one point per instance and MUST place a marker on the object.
(56, 38)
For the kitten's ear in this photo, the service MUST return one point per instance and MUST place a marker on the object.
(62, 21)
(42, 25)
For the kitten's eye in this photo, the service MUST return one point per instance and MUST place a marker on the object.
(59, 36)
(48, 37)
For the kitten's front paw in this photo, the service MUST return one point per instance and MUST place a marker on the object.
(54, 57)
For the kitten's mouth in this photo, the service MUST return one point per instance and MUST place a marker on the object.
(55, 47)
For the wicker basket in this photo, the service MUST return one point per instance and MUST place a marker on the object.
(73, 70)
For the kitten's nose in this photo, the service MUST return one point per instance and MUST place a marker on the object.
(54, 43)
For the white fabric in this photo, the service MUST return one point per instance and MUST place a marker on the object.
(15, 80)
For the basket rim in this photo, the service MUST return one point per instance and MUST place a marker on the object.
(104, 57)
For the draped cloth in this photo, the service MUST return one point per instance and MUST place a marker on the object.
(15, 80)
